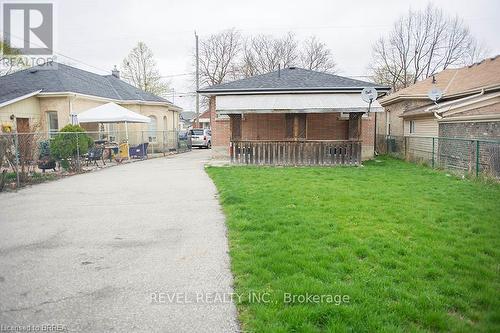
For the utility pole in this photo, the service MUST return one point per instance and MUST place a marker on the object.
(197, 82)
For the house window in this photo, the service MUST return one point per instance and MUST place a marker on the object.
(153, 125)
(412, 126)
(165, 123)
(52, 123)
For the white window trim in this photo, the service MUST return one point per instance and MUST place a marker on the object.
(411, 127)
(51, 131)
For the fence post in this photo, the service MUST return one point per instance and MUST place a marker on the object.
(477, 158)
(406, 141)
(77, 152)
(163, 142)
(433, 139)
(16, 143)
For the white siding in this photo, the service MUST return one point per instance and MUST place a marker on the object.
(420, 143)
(26, 108)
(333, 102)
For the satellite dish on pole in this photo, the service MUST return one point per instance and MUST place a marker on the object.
(435, 94)
(369, 95)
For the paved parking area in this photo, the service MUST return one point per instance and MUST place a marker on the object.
(135, 248)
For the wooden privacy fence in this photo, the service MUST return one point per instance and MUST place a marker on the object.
(310, 152)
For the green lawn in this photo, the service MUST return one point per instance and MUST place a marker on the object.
(414, 249)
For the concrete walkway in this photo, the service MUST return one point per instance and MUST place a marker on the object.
(133, 248)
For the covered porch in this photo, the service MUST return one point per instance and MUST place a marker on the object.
(296, 138)
(294, 116)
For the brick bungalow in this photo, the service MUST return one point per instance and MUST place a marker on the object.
(292, 116)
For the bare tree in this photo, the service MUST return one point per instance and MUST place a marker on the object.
(140, 69)
(228, 55)
(317, 56)
(264, 53)
(10, 59)
(219, 57)
(422, 43)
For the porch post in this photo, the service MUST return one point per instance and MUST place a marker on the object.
(354, 133)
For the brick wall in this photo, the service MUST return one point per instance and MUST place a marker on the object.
(221, 132)
(326, 126)
(367, 136)
(263, 127)
(272, 127)
(488, 130)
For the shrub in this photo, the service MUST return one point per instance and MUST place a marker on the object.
(68, 143)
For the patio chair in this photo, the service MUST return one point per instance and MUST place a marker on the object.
(139, 151)
(95, 154)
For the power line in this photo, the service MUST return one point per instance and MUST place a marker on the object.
(187, 94)
(176, 75)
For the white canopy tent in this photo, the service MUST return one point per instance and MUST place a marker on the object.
(112, 113)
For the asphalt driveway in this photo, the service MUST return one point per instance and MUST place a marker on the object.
(134, 248)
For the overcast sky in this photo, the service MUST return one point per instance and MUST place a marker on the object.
(100, 33)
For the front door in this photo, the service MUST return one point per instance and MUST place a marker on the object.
(25, 140)
(22, 125)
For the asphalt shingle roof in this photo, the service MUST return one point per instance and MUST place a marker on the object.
(63, 78)
(292, 78)
(452, 81)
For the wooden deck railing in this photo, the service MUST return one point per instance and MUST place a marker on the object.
(309, 152)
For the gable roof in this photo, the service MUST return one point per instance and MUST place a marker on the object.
(205, 114)
(187, 115)
(453, 82)
(64, 79)
(291, 79)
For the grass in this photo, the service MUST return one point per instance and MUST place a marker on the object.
(414, 249)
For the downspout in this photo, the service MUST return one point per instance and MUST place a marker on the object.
(71, 99)
(436, 115)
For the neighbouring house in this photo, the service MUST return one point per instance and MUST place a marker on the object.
(203, 120)
(469, 107)
(47, 96)
(292, 116)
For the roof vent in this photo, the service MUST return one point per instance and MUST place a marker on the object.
(292, 67)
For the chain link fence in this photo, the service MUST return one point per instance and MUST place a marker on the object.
(27, 158)
(462, 156)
